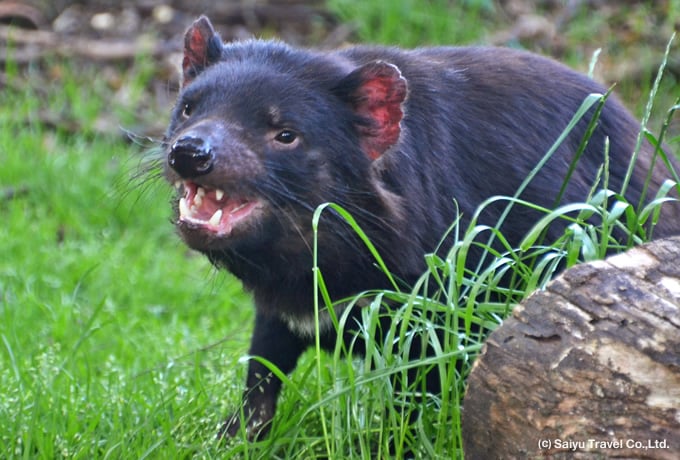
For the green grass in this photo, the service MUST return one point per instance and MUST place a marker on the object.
(106, 320)
(417, 23)
(117, 342)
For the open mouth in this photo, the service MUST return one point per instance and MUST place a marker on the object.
(212, 209)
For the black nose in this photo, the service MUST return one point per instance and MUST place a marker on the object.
(191, 156)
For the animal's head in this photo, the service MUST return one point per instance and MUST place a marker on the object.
(263, 133)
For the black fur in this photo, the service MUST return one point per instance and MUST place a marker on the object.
(475, 122)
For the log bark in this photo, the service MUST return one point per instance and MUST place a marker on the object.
(587, 368)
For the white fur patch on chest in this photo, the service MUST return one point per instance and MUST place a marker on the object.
(306, 327)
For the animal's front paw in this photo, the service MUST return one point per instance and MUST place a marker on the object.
(256, 427)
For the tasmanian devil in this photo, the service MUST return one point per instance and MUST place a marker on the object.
(406, 141)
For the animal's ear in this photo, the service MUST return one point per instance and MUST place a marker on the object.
(202, 48)
(376, 91)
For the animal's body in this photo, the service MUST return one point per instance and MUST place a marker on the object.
(263, 133)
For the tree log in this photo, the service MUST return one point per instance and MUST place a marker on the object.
(587, 368)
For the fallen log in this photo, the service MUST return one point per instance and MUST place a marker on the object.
(587, 368)
(30, 45)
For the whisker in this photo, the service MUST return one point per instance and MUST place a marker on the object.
(139, 139)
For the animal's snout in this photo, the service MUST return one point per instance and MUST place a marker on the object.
(191, 156)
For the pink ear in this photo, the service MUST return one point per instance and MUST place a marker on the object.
(202, 47)
(378, 94)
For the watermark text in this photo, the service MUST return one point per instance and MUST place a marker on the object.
(596, 444)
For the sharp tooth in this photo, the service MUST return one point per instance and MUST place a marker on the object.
(178, 184)
(198, 198)
(216, 218)
(219, 194)
(184, 208)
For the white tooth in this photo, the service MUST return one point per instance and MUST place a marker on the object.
(178, 184)
(219, 194)
(183, 208)
(198, 198)
(216, 218)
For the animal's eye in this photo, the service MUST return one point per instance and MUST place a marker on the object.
(187, 110)
(286, 137)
